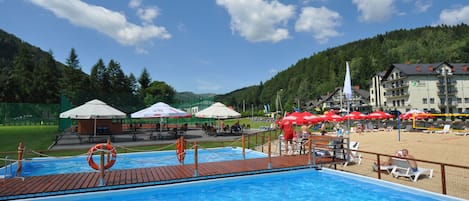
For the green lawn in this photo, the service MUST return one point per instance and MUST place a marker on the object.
(39, 138)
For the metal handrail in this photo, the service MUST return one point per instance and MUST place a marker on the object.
(442, 166)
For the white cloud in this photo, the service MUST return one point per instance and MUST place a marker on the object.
(375, 10)
(455, 16)
(321, 22)
(273, 71)
(423, 5)
(258, 20)
(135, 3)
(108, 22)
(148, 14)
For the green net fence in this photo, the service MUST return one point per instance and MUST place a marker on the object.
(18, 114)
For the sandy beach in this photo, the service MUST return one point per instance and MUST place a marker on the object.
(441, 148)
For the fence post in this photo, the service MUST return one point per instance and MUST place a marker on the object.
(269, 166)
(20, 159)
(443, 179)
(310, 146)
(255, 144)
(196, 164)
(377, 165)
(101, 169)
(263, 142)
(244, 148)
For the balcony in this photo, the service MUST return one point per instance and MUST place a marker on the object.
(451, 92)
(397, 95)
(441, 83)
(450, 104)
(395, 79)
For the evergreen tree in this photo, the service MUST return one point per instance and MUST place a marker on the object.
(46, 82)
(22, 76)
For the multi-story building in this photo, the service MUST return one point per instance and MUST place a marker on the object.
(336, 101)
(439, 87)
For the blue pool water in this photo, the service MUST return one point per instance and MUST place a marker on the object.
(306, 184)
(76, 164)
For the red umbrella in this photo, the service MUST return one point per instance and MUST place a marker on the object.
(295, 118)
(379, 115)
(355, 115)
(418, 115)
(332, 117)
(312, 119)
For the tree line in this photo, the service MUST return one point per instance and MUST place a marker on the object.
(30, 75)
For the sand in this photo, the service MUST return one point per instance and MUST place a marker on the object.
(440, 148)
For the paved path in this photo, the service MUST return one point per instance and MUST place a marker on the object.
(69, 141)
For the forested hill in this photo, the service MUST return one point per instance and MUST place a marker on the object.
(320, 73)
(31, 75)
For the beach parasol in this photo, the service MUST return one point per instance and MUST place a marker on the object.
(94, 109)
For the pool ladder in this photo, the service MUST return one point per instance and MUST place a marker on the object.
(8, 165)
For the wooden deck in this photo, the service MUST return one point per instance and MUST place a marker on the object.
(37, 186)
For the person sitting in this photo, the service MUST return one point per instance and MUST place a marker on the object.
(323, 128)
(399, 154)
(236, 128)
(412, 163)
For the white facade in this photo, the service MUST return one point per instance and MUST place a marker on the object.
(439, 87)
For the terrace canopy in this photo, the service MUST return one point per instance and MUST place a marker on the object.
(218, 111)
(94, 110)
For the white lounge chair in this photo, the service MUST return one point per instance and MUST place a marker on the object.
(387, 168)
(354, 156)
(446, 129)
(463, 132)
(402, 169)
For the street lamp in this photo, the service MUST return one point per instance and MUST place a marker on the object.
(278, 101)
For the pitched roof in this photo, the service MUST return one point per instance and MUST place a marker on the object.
(428, 69)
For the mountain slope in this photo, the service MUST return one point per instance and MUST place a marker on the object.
(319, 74)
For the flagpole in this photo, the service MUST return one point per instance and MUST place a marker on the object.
(347, 90)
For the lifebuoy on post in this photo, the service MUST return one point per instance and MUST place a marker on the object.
(180, 149)
(109, 163)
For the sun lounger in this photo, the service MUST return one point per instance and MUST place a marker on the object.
(462, 133)
(387, 168)
(354, 156)
(402, 169)
(446, 129)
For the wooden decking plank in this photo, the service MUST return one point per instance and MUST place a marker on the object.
(51, 183)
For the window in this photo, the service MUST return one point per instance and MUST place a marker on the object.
(432, 101)
(424, 100)
(459, 110)
(466, 100)
(459, 100)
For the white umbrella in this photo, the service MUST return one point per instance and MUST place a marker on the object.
(94, 109)
(218, 111)
(159, 109)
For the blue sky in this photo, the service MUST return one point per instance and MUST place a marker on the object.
(212, 46)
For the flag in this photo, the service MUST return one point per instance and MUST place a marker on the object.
(347, 90)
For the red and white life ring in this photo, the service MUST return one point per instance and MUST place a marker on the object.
(109, 162)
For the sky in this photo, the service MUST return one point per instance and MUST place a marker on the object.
(212, 46)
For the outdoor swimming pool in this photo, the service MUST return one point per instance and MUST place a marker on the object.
(76, 164)
(305, 184)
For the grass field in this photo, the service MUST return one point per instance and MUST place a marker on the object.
(39, 138)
